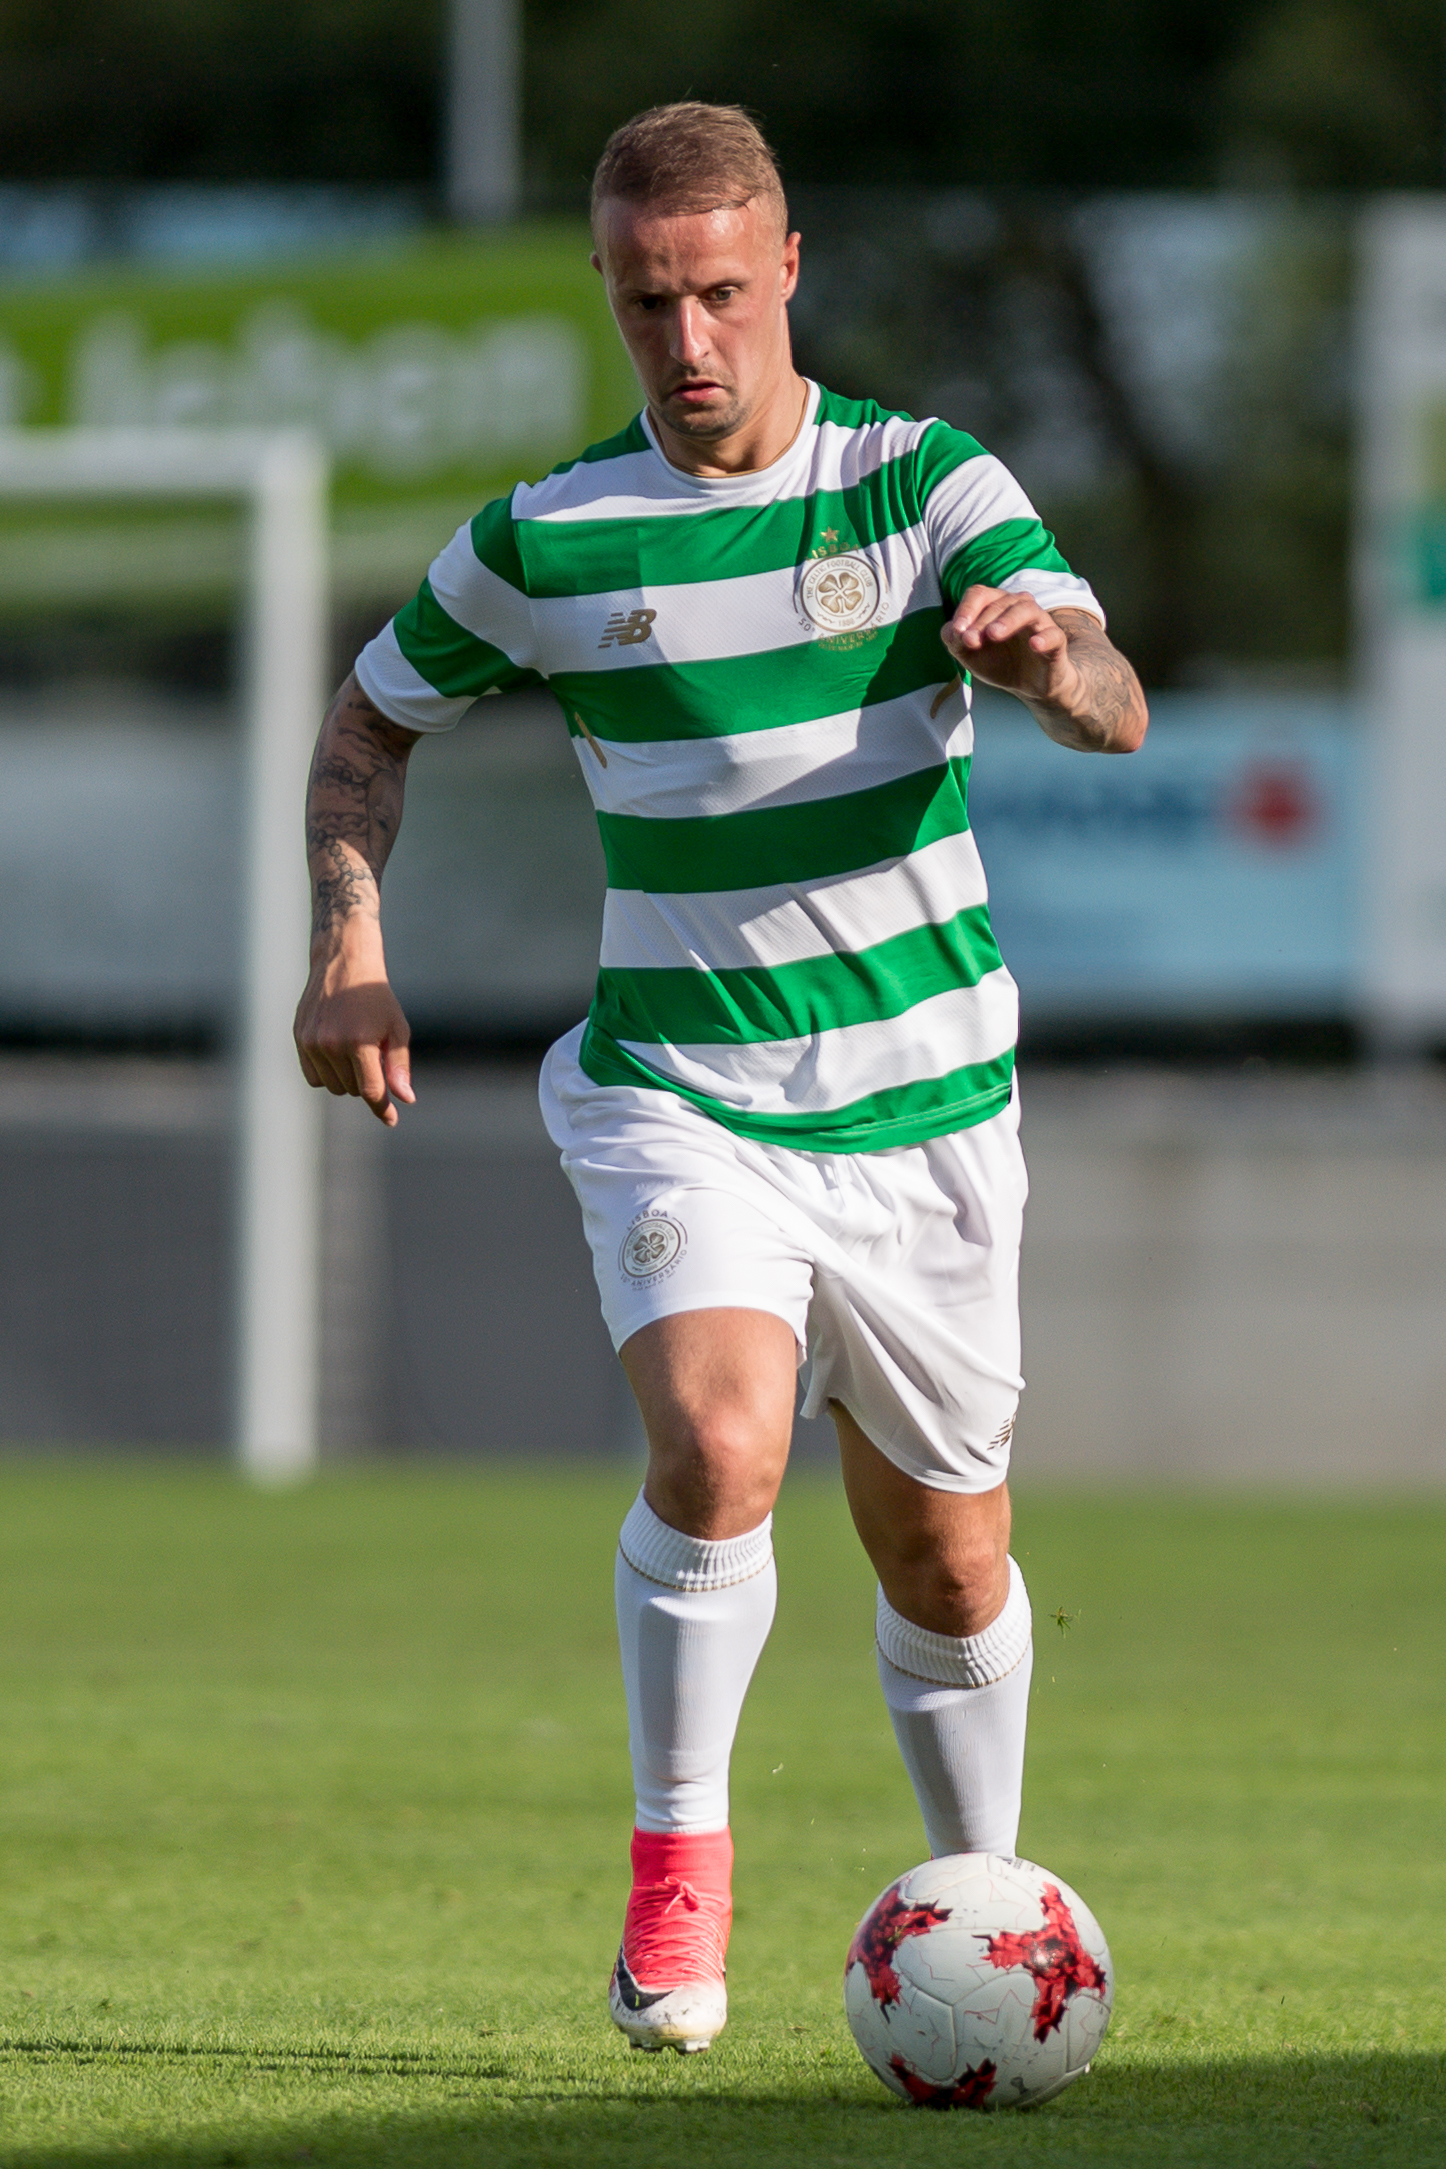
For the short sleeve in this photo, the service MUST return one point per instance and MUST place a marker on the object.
(467, 631)
(984, 532)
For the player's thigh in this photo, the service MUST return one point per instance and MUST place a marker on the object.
(678, 1220)
(941, 1555)
(716, 1389)
(920, 1343)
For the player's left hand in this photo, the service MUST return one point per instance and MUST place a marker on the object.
(1009, 641)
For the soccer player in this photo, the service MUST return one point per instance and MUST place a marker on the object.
(791, 1118)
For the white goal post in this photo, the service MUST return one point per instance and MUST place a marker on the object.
(281, 476)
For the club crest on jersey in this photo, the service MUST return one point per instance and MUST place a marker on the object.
(625, 628)
(840, 593)
(652, 1244)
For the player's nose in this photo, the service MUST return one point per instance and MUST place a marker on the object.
(690, 338)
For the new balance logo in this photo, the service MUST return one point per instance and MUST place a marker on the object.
(625, 631)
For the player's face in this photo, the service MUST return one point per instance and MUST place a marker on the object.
(701, 301)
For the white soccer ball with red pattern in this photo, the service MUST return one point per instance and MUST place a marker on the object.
(978, 1983)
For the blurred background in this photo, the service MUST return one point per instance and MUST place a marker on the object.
(1182, 266)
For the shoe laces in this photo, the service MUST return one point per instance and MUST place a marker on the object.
(675, 1932)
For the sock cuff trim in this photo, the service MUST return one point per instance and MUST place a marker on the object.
(665, 1555)
(959, 1660)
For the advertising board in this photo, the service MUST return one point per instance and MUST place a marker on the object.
(438, 372)
(1401, 597)
(1212, 874)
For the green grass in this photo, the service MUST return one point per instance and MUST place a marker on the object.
(314, 1812)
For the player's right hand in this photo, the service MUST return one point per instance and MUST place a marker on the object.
(353, 1039)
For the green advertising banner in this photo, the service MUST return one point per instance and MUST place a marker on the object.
(438, 374)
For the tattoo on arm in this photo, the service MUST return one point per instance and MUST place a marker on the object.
(1112, 690)
(353, 806)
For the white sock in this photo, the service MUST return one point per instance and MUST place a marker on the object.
(692, 1621)
(959, 1704)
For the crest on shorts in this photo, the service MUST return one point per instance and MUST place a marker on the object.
(651, 1245)
(840, 593)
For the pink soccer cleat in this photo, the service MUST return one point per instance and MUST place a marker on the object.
(667, 1989)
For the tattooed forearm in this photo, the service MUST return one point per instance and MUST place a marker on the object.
(353, 807)
(340, 886)
(1109, 715)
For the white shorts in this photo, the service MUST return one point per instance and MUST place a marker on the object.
(898, 1271)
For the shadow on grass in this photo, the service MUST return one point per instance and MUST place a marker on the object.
(402, 2109)
(340, 2062)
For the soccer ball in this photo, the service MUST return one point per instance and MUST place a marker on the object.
(978, 1983)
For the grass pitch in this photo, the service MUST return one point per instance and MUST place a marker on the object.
(314, 1812)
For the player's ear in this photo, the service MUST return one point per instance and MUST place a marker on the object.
(790, 264)
(596, 261)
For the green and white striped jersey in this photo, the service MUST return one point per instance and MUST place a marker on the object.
(796, 934)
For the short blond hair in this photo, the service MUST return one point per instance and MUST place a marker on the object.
(689, 157)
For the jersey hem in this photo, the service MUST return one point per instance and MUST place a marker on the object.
(604, 1062)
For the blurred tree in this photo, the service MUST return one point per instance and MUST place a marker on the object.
(1026, 99)
(1334, 93)
(219, 90)
(1124, 93)
(996, 92)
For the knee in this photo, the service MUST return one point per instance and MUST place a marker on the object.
(715, 1472)
(956, 1589)
(725, 1441)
